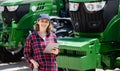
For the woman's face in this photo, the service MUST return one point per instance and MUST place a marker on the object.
(43, 23)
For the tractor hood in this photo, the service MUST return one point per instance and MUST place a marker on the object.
(83, 0)
(15, 2)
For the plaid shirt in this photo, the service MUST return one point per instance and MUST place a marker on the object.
(34, 48)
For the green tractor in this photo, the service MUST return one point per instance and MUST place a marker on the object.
(96, 43)
(17, 20)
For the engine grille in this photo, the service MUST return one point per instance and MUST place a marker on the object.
(15, 15)
(94, 22)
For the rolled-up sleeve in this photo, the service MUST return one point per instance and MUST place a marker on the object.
(28, 49)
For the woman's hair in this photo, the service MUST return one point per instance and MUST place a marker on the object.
(37, 27)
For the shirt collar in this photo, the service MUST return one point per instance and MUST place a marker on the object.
(35, 32)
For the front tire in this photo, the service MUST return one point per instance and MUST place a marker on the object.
(6, 56)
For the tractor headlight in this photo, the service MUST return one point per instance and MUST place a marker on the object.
(12, 8)
(73, 6)
(1, 8)
(96, 6)
(34, 8)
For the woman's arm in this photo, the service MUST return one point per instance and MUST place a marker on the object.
(28, 53)
(28, 50)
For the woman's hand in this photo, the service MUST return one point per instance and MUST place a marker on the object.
(35, 64)
(55, 51)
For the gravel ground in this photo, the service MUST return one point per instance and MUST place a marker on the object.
(14, 66)
(23, 66)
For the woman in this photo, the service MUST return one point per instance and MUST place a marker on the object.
(36, 43)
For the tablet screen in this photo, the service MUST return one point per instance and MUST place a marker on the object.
(50, 46)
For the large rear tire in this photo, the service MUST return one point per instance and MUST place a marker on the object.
(6, 56)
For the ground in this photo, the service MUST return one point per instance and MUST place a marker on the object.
(23, 66)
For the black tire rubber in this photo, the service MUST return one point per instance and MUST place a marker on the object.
(6, 56)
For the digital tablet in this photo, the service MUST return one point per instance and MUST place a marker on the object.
(50, 46)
